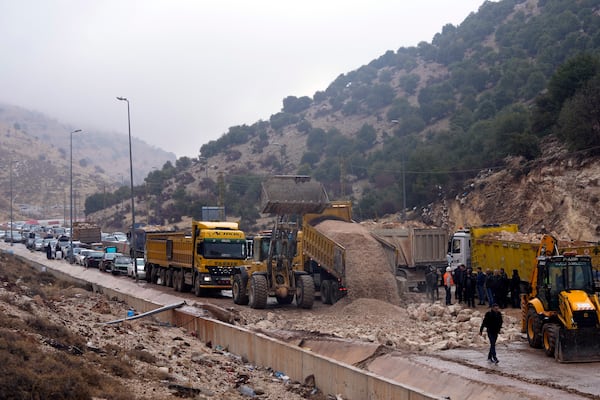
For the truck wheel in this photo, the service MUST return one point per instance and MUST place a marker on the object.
(176, 280)
(549, 334)
(239, 290)
(335, 292)
(149, 270)
(326, 292)
(534, 329)
(154, 275)
(257, 298)
(305, 291)
(169, 277)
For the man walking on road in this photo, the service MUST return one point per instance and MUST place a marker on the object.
(493, 322)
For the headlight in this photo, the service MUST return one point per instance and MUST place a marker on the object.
(207, 278)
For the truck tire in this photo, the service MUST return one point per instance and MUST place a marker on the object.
(534, 329)
(148, 273)
(549, 335)
(170, 277)
(335, 292)
(326, 292)
(163, 276)
(238, 288)
(305, 291)
(257, 298)
(177, 280)
(197, 289)
(154, 274)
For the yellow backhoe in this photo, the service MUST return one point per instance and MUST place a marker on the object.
(561, 312)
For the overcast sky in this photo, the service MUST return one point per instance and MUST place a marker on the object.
(191, 69)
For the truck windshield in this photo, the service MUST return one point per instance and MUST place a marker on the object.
(236, 250)
(570, 275)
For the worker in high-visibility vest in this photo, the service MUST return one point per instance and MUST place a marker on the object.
(448, 283)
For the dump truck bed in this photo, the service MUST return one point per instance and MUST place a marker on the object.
(329, 254)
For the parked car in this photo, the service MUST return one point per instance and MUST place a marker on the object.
(38, 244)
(16, 237)
(93, 259)
(141, 269)
(108, 260)
(80, 257)
(121, 265)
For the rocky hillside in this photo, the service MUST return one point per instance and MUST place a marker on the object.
(556, 193)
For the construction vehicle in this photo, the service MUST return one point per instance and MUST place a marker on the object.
(561, 311)
(202, 259)
(322, 257)
(276, 269)
(502, 246)
(412, 251)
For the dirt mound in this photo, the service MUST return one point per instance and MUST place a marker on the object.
(368, 274)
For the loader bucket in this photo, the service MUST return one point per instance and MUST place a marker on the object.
(291, 194)
(578, 345)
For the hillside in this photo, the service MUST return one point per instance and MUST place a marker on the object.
(40, 148)
(467, 129)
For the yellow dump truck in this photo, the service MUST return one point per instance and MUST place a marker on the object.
(500, 246)
(202, 259)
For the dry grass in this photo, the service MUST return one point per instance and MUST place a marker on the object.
(40, 359)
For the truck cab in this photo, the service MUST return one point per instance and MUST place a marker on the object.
(459, 249)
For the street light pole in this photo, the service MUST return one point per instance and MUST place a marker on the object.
(132, 240)
(11, 201)
(71, 198)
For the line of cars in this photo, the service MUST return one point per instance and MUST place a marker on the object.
(106, 261)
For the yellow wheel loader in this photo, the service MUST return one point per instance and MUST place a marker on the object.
(561, 312)
(276, 269)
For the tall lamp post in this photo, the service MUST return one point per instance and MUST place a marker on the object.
(71, 199)
(132, 240)
(11, 201)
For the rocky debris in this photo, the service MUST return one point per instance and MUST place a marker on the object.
(368, 274)
(415, 327)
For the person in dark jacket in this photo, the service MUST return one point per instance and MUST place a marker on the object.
(470, 281)
(481, 286)
(49, 251)
(431, 279)
(515, 289)
(492, 321)
(459, 281)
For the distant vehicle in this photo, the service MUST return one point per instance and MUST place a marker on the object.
(15, 237)
(93, 259)
(122, 265)
(115, 237)
(108, 260)
(80, 257)
(141, 271)
(38, 244)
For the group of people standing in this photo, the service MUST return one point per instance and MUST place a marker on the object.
(490, 286)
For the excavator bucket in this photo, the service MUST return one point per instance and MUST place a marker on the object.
(578, 345)
(293, 194)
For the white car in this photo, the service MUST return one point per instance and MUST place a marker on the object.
(141, 272)
(80, 257)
